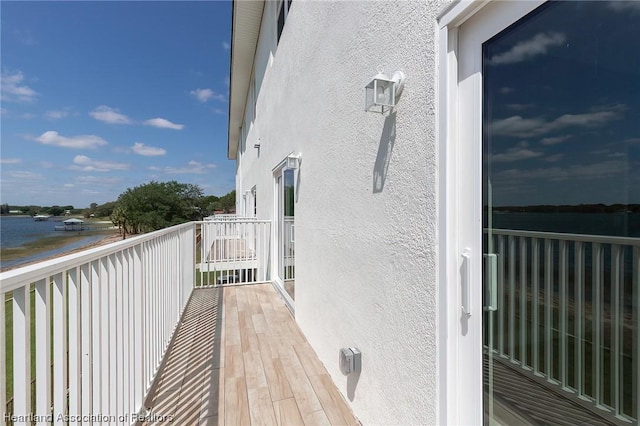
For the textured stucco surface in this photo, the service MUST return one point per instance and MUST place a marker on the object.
(366, 215)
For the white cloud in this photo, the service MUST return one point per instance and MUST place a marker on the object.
(25, 37)
(97, 180)
(193, 167)
(163, 124)
(79, 142)
(147, 151)
(110, 115)
(219, 111)
(524, 50)
(26, 175)
(203, 95)
(226, 45)
(12, 89)
(10, 160)
(56, 114)
(555, 140)
(86, 164)
(517, 153)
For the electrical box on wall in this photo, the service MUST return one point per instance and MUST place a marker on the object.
(350, 360)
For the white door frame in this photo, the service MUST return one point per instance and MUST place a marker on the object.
(460, 385)
(277, 237)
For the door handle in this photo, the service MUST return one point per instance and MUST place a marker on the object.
(491, 281)
(466, 282)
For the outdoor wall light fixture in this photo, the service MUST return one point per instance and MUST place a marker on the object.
(383, 92)
(257, 145)
(293, 161)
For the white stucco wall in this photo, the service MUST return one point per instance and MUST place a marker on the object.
(366, 212)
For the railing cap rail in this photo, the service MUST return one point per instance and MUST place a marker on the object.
(585, 238)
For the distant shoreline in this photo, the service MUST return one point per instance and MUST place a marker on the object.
(35, 248)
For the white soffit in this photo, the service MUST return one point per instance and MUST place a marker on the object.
(245, 29)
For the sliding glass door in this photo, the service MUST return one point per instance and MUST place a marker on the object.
(561, 215)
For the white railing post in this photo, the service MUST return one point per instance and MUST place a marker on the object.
(59, 345)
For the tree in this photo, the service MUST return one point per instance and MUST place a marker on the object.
(157, 205)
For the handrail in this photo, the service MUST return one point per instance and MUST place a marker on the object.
(585, 238)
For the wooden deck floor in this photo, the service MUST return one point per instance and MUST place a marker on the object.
(239, 358)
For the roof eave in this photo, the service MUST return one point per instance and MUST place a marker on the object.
(246, 17)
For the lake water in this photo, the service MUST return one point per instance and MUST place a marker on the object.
(17, 231)
(613, 224)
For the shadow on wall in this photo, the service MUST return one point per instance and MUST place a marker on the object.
(352, 383)
(387, 140)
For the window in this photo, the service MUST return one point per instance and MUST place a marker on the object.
(255, 202)
(283, 11)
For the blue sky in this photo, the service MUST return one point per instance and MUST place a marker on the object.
(98, 97)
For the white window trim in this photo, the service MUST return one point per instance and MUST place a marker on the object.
(460, 386)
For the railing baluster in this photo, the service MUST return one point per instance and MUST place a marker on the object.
(104, 332)
(535, 305)
(75, 342)
(120, 337)
(85, 325)
(138, 327)
(501, 301)
(112, 330)
(512, 298)
(59, 344)
(548, 317)
(43, 348)
(3, 350)
(523, 301)
(96, 341)
(635, 400)
(615, 353)
(21, 353)
(597, 275)
(563, 332)
(579, 316)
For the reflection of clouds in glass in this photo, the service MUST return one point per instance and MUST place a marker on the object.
(554, 158)
(519, 107)
(602, 170)
(517, 153)
(521, 127)
(527, 49)
(507, 90)
(555, 140)
(624, 6)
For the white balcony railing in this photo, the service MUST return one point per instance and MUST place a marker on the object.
(84, 334)
(234, 251)
(568, 313)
